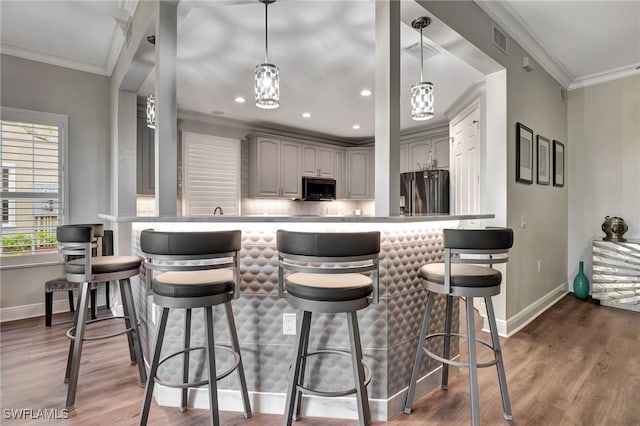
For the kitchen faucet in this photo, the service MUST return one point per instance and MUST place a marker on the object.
(215, 211)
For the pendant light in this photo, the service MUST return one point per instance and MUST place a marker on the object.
(151, 99)
(151, 112)
(422, 92)
(267, 77)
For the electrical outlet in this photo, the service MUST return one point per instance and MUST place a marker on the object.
(539, 265)
(289, 324)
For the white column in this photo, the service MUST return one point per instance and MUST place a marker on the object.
(166, 135)
(387, 111)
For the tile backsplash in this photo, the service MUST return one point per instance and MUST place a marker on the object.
(280, 207)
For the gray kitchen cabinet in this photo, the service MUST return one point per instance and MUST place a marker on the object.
(340, 174)
(317, 161)
(145, 157)
(274, 168)
(360, 174)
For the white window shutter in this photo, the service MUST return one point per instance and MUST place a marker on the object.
(210, 174)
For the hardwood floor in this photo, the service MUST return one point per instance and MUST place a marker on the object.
(578, 364)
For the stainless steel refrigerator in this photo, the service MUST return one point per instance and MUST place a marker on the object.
(424, 192)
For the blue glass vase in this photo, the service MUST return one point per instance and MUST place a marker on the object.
(581, 284)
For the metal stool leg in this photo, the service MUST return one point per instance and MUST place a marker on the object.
(71, 309)
(133, 318)
(298, 403)
(358, 370)
(418, 359)
(106, 294)
(211, 356)
(473, 363)
(127, 324)
(67, 372)
(447, 342)
(48, 308)
(295, 374)
(502, 378)
(148, 393)
(76, 350)
(94, 303)
(236, 348)
(185, 360)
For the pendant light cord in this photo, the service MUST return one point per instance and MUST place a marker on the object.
(266, 40)
(421, 58)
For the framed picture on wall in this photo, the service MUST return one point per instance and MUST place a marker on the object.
(524, 154)
(543, 171)
(558, 163)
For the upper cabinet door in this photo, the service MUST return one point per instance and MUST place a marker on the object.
(325, 162)
(419, 155)
(291, 183)
(268, 168)
(441, 153)
(309, 160)
(317, 161)
(340, 174)
(404, 159)
(359, 174)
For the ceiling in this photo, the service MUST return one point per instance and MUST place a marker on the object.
(325, 51)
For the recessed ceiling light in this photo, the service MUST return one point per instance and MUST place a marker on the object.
(365, 92)
(240, 99)
(355, 127)
(306, 114)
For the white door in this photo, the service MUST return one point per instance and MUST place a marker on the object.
(210, 175)
(268, 160)
(465, 158)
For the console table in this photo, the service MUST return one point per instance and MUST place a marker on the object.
(616, 273)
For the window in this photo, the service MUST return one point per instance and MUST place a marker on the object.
(32, 185)
(211, 175)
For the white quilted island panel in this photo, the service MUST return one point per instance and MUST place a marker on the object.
(389, 330)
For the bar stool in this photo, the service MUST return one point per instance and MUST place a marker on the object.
(81, 240)
(456, 277)
(337, 285)
(62, 284)
(207, 283)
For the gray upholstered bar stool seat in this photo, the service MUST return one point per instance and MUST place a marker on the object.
(186, 285)
(337, 285)
(461, 276)
(82, 241)
(62, 284)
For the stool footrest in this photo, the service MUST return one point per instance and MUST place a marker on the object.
(332, 394)
(236, 362)
(71, 331)
(494, 361)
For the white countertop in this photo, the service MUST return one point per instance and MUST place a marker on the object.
(300, 218)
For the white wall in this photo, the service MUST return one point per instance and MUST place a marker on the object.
(603, 164)
(84, 98)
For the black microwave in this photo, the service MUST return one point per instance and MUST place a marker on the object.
(318, 189)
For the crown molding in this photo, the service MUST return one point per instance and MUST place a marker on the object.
(603, 77)
(509, 20)
(32, 55)
(105, 68)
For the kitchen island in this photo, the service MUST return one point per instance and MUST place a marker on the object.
(389, 330)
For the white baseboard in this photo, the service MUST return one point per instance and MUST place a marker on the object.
(313, 406)
(520, 320)
(13, 313)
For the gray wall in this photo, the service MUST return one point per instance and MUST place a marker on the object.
(84, 98)
(604, 160)
(533, 98)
